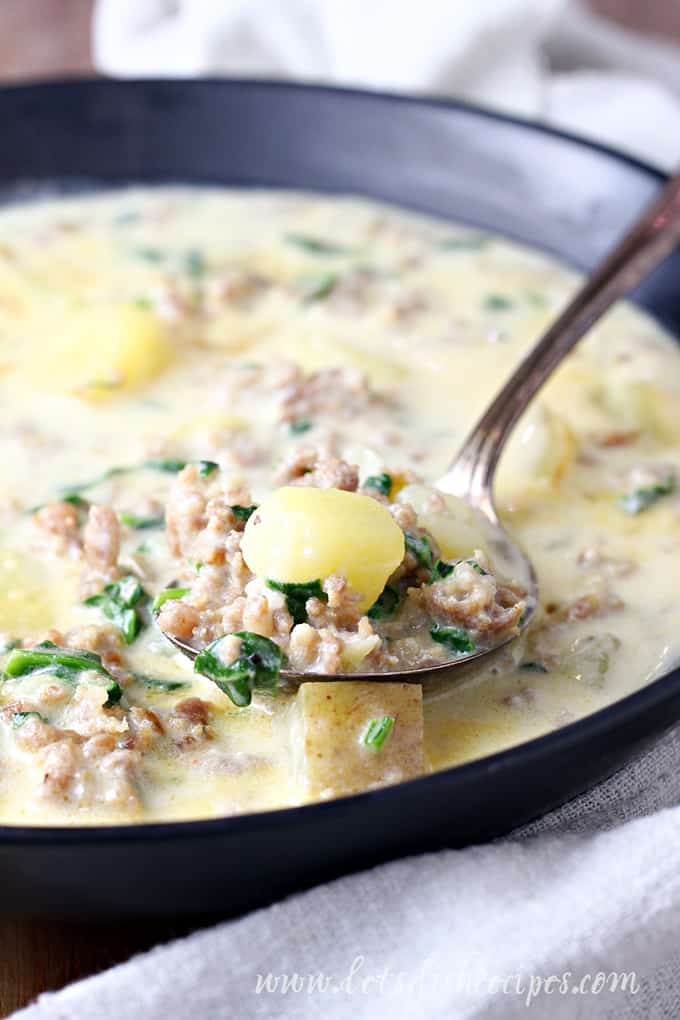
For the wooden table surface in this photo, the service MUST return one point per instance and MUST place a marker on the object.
(38, 956)
(51, 37)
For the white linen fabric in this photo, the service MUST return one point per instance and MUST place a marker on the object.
(549, 59)
(524, 925)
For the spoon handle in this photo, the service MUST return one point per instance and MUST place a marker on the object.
(647, 243)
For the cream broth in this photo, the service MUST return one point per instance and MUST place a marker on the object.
(144, 330)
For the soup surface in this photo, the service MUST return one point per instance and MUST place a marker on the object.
(188, 376)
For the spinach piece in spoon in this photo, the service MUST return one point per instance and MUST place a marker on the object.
(257, 667)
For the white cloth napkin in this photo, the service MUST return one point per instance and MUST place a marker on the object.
(549, 59)
(526, 923)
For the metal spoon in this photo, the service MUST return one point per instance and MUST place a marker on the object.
(471, 473)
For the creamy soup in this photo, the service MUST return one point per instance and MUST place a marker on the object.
(222, 416)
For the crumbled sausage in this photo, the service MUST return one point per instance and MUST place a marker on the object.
(239, 287)
(188, 723)
(104, 639)
(219, 541)
(58, 525)
(87, 713)
(224, 577)
(472, 600)
(342, 609)
(308, 466)
(101, 538)
(101, 548)
(408, 307)
(591, 604)
(342, 392)
(185, 512)
(258, 610)
(87, 771)
(61, 762)
(34, 733)
(119, 779)
(608, 440)
(315, 651)
(99, 745)
(179, 619)
(194, 709)
(145, 726)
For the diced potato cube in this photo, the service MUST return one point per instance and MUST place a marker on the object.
(332, 758)
(98, 351)
(575, 383)
(456, 529)
(303, 534)
(639, 404)
(540, 450)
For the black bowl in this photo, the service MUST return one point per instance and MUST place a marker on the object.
(542, 187)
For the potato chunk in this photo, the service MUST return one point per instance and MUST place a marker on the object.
(641, 404)
(303, 534)
(455, 528)
(102, 350)
(539, 452)
(332, 758)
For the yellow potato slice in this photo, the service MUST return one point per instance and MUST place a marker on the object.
(300, 534)
(98, 351)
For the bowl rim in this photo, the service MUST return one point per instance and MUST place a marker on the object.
(435, 101)
(595, 725)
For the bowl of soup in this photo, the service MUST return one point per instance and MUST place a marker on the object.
(224, 411)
